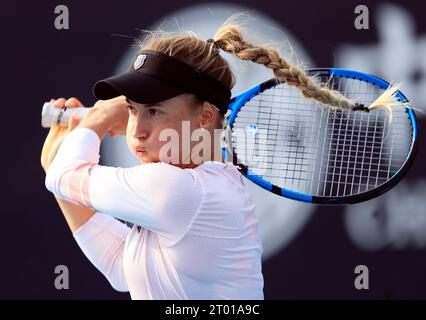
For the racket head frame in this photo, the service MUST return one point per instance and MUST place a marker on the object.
(240, 100)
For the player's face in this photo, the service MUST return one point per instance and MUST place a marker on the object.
(161, 131)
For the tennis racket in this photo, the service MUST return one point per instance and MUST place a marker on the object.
(302, 150)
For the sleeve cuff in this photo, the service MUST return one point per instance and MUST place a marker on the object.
(80, 144)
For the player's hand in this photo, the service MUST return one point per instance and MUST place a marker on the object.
(116, 114)
(57, 133)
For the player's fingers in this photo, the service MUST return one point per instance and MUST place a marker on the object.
(59, 103)
(55, 130)
(73, 103)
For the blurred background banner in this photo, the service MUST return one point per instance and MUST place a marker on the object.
(310, 251)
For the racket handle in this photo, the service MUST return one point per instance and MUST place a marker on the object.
(51, 115)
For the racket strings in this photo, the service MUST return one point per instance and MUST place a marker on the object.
(302, 146)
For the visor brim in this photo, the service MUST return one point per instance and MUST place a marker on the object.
(137, 87)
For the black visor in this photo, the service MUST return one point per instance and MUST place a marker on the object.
(155, 77)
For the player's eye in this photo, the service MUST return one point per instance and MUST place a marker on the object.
(154, 112)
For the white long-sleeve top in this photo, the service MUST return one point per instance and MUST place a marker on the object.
(195, 233)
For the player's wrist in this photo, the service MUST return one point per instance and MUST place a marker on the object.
(97, 120)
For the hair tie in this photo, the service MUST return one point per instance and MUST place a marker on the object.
(214, 43)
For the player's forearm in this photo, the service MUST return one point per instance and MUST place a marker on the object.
(75, 215)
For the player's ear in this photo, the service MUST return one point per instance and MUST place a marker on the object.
(208, 115)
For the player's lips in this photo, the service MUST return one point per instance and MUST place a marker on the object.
(140, 151)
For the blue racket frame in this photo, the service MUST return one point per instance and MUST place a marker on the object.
(239, 101)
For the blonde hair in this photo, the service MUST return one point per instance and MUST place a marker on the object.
(204, 55)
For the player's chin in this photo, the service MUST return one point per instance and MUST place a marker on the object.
(148, 159)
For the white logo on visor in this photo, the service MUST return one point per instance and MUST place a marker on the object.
(139, 61)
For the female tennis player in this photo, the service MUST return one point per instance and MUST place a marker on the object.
(195, 233)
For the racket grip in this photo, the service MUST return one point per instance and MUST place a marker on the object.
(51, 116)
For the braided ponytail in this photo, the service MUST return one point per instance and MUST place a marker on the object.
(230, 39)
